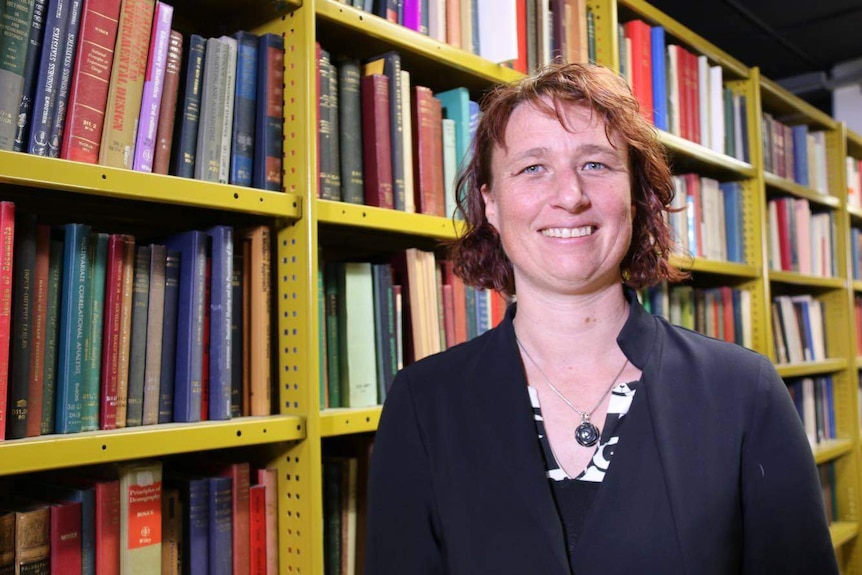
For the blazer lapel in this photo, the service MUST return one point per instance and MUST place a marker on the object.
(497, 396)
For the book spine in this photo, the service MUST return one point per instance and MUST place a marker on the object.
(169, 337)
(155, 333)
(138, 349)
(240, 474)
(187, 132)
(89, 90)
(52, 331)
(7, 239)
(22, 325)
(168, 107)
(221, 309)
(30, 73)
(376, 143)
(260, 366)
(44, 101)
(109, 373)
(39, 317)
(242, 150)
(66, 536)
(127, 82)
(268, 129)
(72, 328)
(327, 182)
(227, 110)
(210, 126)
(66, 62)
(237, 335)
(153, 85)
(95, 326)
(107, 527)
(220, 526)
(141, 517)
(392, 69)
(350, 131)
(257, 530)
(172, 530)
(123, 357)
(196, 517)
(14, 35)
(33, 540)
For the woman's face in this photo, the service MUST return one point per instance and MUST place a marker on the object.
(561, 200)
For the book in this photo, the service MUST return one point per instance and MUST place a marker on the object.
(658, 54)
(220, 248)
(238, 371)
(94, 318)
(138, 339)
(22, 307)
(30, 76)
(230, 54)
(66, 61)
(153, 86)
(14, 36)
(269, 113)
(7, 240)
(191, 247)
(245, 100)
(169, 337)
(211, 125)
(259, 289)
(329, 178)
(356, 335)
(52, 331)
(332, 347)
(185, 154)
(38, 322)
(168, 106)
(268, 477)
(376, 142)
(428, 153)
(33, 538)
(125, 89)
(389, 64)
(155, 334)
(350, 131)
(66, 537)
(220, 525)
(172, 531)
(140, 517)
(195, 502)
(456, 106)
(107, 526)
(257, 530)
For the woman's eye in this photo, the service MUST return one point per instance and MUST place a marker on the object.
(531, 169)
(594, 166)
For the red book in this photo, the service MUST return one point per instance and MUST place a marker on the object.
(240, 475)
(66, 538)
(376, 142)
(428, 153)
(88, 93)
(520, 63)
(498, 308)
(107, 527)
(694, 97)
(256, 548)
(639, 32)
(784, 206)
(459, 300)
(269, 479)
(448, 315)
(111, 333)
(38, 326)
(7, 238)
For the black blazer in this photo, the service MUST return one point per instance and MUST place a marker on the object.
(713, 474)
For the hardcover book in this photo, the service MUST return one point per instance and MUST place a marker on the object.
(269, 114)
(141, 518)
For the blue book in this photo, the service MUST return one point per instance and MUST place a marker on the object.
(31, 67)
(220, 246)
(269, 113)
(242, 139)
(220, 526)
(48, 83)
(659, 78)
(195, 496)
(236, 337)
(830, 406)
(854, 252)
(733, 221)
(73, 306)
(169, 337)
(67, 61)
(190, 319)
(800, 154)
(93, 335)
(189, 112)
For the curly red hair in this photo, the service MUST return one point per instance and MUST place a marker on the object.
(478, 255)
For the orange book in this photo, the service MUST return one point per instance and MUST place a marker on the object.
(260, 366)
(453, 22)
(428, 153)
(39, 318)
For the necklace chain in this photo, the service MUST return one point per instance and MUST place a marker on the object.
(585, 415)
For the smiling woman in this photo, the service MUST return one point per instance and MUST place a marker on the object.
(583, 435)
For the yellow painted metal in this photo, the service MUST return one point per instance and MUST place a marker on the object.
(604, 13)
(715, 267)
(344, 421)
(831, 365)
(706, 155)
(843, 532)
(92, 447)
(354, 215)
(50, 173)
(831, 449)
(780, 101)
(406, 40)
(788, 186)
(795, 278)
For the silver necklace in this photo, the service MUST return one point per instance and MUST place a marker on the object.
(586, 434)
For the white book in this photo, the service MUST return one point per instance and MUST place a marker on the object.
(716, 109)
(450, 165)
(703, 99)
(809, 417)
(673, 110)
(774, 241)
(227, 112)
(437, 19)
(407, 142)
(745, 314)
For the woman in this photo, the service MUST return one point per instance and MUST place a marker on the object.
(583, 435)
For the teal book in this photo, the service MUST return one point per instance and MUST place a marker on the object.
(93, 335)
(52, 331)
(456, 106)
(73, 313)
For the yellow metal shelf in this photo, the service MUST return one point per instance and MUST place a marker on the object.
(344, 421)
(811, 367)
(409, 42)
(92, 447)
(705, 155)
(831, 449)
(854, 144)
(857, 285)
(357, 215)
(778, 100)
(715, 267)
(791, 187)
(51, 173)
(804, 280)
(842, 532)
(855, 212)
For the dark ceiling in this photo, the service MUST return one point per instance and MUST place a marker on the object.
(784, 39)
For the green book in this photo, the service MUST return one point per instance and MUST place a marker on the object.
(333, 370)
(93, 332)
(14, 37)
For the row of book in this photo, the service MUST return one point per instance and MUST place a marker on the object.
(345, 492)
(826, 471)
(709, 220)
(814, 402)
(721, 312)
(98, 81)
(795, 153)
(386, 143)
(378, 316)
(103, 330)
(798, 328)
(681, 92)
(800, 240)
(143, 517)
(522, 33)
(854, 181)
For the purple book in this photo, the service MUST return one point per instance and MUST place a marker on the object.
(412, 14)
(145, 143)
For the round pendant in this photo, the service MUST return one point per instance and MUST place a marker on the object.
(587, 434)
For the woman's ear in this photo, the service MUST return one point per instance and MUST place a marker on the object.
(490, 205)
